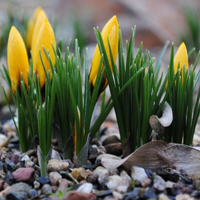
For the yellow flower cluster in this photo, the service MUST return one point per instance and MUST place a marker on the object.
(39, 35)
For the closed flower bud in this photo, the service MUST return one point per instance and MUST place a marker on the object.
(109, 31)
(17, 59)
(39, 21)
(181, 58)
(45, 39)
(30, 27)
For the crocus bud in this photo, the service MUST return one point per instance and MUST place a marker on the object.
(30, 27)
(39, 21)
(181, 57)
(110, 31)
(17, 59)
(45, 39)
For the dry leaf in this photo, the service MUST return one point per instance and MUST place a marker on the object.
(158, 124)
(155, 155)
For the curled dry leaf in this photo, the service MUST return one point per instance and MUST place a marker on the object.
(155, 155)
(158, 124)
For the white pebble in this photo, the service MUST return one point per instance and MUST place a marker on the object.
(138, 174)
(100, 171)
(3, 140)
(159, 183)
(113, 182)
(86, 188)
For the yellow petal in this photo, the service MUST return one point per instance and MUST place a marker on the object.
(182, 57)
(17, 58)
(30, 27)
(45, 39)
(110, 30)
(40, 20)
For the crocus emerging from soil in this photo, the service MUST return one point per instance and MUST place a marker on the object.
(17, 59)
(45, 39)
(30, 28)
(110, 32)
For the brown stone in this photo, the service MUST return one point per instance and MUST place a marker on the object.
(80, 174)
(110, 140)
(115, 149)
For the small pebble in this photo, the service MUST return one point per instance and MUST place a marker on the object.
(117, 195)
(15, 158)
(63, 185)
(196, 179)
(103, 180)
(184, 197)
(80, 173)
(92, 178)
(36, 185)
(9, 178)
(55, 177)
(159, 183)
(3, 140)
(169, 184)
(10, 164)
(2, 175)
(86, 188)
(100, 170)
(23, 174)
(20, 187)
(163, 197)
(138, 174)
(114, 171)
(55, 155)
(54, 188)
(114, 149)
(146, 183)
(4, 155)
(74, 195)
(113, 182)
(43, 180)
(57, 165)
(110, 140)
(46, 189)
(32, 193)
(101, 150)
(25, 158)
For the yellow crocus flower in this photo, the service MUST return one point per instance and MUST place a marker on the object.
(44, 39)
(39, 21)
(181, 58)
(30, 27)
(110, 31)
(17, 59)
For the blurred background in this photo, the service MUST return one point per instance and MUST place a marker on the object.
(156, 22)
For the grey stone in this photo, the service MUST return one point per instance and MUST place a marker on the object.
(20, 187)
(32, 193)
(46, 189)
